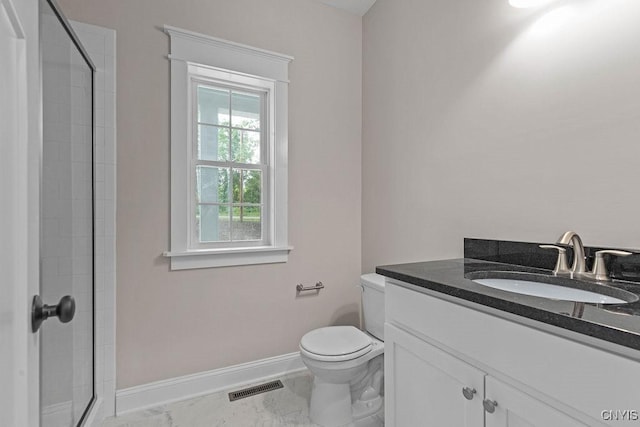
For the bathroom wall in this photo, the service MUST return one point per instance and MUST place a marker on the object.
(177, 323)
(483, 120)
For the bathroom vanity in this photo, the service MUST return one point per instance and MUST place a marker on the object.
(458, 353)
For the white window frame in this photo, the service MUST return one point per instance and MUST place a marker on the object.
(225, 79)
(199, 57)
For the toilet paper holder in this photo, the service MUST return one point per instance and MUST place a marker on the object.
(317, 287)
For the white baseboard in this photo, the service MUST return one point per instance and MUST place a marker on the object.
(189, 386)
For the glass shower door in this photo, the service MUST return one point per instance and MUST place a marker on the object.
(66, 215)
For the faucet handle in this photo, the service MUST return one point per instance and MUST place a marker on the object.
(562, 266)
(599, 268)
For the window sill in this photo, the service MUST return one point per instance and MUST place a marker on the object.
(209, 258)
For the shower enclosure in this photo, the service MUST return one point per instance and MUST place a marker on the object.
(67, 267)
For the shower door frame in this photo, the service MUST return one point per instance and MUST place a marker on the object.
(75, 40)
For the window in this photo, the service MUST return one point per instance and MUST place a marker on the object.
(228, 153)
(229, 165)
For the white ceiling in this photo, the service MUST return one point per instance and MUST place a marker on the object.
(359, 7)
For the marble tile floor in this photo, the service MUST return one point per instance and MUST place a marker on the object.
(286, 407)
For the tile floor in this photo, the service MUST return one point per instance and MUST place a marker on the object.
(288, 406)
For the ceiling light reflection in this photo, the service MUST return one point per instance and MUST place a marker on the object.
(553, 21)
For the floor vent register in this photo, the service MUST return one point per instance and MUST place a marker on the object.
(252, 391)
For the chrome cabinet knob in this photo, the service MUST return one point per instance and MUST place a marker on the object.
(489, 405)
(468, 392)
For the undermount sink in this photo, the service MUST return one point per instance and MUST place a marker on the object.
(552, 287)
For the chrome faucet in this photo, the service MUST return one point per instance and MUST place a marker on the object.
(578, 267)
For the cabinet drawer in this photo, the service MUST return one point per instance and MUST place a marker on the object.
(584, 378)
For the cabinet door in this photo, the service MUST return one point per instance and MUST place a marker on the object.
(424, 385)
(517, 409)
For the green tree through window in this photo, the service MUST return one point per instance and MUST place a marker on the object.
(247, 183)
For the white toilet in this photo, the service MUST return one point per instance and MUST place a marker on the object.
(347, 365)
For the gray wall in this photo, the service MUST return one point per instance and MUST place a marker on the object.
(177, 323)
(482, 120)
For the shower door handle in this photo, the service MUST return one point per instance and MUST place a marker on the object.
(64, 311)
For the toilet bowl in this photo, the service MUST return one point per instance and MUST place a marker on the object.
(347, 365)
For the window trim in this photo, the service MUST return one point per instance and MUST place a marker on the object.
(199, 56)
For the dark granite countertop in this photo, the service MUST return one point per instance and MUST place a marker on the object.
(618, 323)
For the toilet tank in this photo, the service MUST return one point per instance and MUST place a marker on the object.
(373, 304)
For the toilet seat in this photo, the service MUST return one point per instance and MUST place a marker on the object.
(335, 344)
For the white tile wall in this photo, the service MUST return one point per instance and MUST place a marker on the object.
(100, 44)
(66, 268)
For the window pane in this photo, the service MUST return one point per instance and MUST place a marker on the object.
(213, 223)
(212, 184)
(247, 223)
(246, 146)
(213, 105)
(213, 143)
(247, 186)
(245, 110)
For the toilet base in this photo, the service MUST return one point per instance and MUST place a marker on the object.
(348, 393)
(375, 420)
(331, 406)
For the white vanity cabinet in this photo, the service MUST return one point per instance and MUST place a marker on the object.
(423, 385)
(434, 388)
(437, 348)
